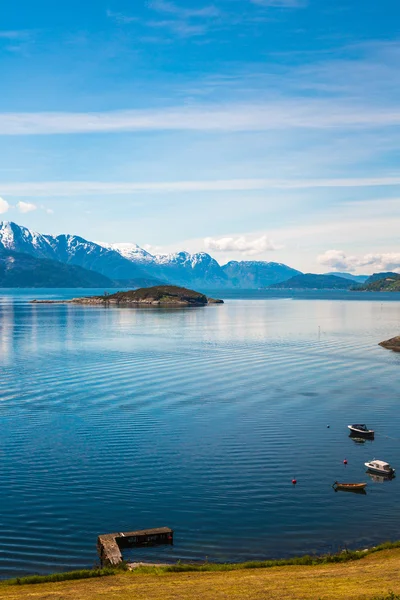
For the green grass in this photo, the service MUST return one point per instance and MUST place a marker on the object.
(307, 560)
(54, 577)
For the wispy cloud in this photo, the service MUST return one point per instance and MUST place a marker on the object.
(183, 21)
(184, 12)
(12, 34)
(180, 20)
(16, 40)
(246, 246)
(283, 114)
(180, 27)
(121, 18)
(339, 260)
(71, 188)
(279, 3)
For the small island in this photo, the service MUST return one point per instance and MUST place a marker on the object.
(392, 344)
(159, 295)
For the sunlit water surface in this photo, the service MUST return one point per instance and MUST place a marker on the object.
(197, 419)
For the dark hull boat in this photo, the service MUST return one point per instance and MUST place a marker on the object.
(361, 431)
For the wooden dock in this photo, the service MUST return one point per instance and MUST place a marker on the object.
(109, 545)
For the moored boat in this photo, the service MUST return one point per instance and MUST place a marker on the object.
(381, 467)
(361, 430)
(349, 487)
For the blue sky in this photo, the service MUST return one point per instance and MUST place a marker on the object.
(252, 129)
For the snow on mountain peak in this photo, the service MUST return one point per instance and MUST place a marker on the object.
(128, 250)
(21, 239)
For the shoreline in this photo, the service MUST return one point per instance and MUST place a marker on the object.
(137, 567)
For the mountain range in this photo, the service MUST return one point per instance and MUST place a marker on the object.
(128, 264)
(31, 259)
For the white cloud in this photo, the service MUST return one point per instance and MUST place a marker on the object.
(25, 207)
(281, 114)
(71, 188)
(4, 206)
(339, 260)
(248, 247)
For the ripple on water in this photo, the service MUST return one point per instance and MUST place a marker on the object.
(113, 420)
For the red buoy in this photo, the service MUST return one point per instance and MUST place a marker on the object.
(294, 481)
(345, 461)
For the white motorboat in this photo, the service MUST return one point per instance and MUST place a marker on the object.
(380, 466)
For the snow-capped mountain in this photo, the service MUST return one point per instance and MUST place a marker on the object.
(69, 249)
(194, 269)
(132, 252)
(126, 262)
(180, 268)
(20, 239)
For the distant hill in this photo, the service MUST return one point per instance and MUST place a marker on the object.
(382, 282)
(357, 278)
(22, 270)
(250, 274)
(310, 281)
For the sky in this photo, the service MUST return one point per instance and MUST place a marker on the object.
(249, 129)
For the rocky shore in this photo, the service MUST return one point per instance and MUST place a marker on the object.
(161, 295)
(392, 344)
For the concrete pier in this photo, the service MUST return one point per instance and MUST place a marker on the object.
(109, 545)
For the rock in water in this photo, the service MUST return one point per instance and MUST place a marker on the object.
(159, 295)
(392, 344)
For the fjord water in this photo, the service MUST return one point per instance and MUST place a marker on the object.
(198, 419)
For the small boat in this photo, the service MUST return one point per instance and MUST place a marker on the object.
(349, 487)
(360, 430)
(381, 467)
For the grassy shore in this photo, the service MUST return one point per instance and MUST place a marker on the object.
(370, 575)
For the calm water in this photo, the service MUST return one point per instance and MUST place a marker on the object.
(198, 419)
